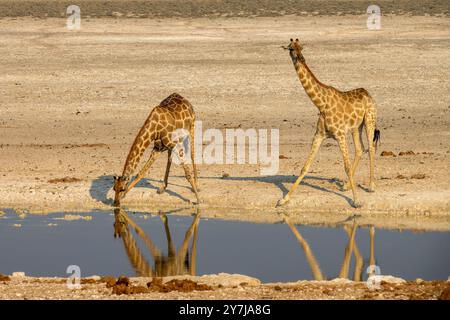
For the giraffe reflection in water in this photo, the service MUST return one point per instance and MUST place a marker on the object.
(175, 262)
(350, 249)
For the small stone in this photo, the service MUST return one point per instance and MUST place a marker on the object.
(18, 274)
(387, 154)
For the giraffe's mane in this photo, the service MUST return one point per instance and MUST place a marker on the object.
(314, 76)
(137, 140)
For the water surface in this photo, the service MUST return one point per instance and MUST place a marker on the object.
(114, 243)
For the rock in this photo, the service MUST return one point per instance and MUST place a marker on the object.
(419, 281)
(4, 278)
(390, 279)
(445, 294)
(220, 280)
(18, 274)
(341, 281)
(387, 154)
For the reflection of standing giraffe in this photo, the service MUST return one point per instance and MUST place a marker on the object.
(174, 263)
(340, 112)
(172, 114)
(349, 250)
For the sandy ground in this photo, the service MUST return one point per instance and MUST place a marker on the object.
(72, 103)
(224, 287)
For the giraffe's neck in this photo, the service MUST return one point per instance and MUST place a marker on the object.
(140, 144)
(316, 90)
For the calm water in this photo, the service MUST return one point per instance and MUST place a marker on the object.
(140, 244)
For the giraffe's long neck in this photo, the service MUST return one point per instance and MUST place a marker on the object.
(316, 90)
(140, 144)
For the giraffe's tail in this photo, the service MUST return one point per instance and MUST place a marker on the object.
(376, 137)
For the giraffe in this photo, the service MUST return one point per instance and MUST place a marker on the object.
(172, 264)
(350, 249)
(174, 115)
(340, 112)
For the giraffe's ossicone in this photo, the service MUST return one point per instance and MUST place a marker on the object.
(161, 128)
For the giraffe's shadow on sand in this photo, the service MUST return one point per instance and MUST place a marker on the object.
(280, 180)
(102, 185)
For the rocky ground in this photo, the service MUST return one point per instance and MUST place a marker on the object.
(218, 287)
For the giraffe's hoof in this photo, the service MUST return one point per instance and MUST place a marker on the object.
(345, 186)
(372, 188)
(356, 204)
(282, 202)
(161, 190)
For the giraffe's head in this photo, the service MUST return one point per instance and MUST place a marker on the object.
(120, 186)
(295, 50)
(120, 223)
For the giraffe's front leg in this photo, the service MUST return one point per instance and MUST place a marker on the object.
(153, 156)
(166, 176)
(317, 141)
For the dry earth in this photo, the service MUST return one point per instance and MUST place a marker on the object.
(72, 103)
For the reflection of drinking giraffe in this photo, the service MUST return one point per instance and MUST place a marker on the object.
(340, 113)
(174, 263)
(162, 128)
(349, 250)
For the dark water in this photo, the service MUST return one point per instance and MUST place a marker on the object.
(270, 252)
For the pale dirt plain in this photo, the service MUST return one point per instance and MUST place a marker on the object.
(72, 103)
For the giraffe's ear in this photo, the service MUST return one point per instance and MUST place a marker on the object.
(292, 39)
(115, 178)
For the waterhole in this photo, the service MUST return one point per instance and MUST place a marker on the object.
(141, 244)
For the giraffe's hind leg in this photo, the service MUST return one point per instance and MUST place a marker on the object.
(369, 121)
(192, 146)
(348, 168)
(188, 173)
(166, 176)
(356, 134)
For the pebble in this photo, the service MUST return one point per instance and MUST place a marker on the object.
(18, 274)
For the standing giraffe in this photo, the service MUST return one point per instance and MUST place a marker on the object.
(162, 127)
(340, 112)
